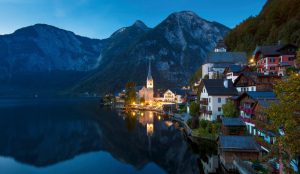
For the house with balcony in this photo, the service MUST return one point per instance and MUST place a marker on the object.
(253, 81)
(214, 93)
(251, 105)
(275, 59)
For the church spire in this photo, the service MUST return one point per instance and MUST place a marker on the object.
(149, 77)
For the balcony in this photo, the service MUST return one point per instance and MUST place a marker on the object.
(247, 109)
(204, 102)
(205, 111)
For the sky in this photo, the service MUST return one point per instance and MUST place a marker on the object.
(100, 18)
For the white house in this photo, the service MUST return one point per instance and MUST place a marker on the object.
(214, 94)
(173, 96)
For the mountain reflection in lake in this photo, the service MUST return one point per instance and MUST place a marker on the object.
(77, 136)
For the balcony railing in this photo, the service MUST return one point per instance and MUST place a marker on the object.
(205, 111)
(204, 102)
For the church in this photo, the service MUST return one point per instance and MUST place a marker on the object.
(147, 92)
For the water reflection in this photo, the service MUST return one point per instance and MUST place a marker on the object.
(44, 134)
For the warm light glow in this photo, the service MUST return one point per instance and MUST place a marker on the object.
(159, 117)
(133, 103)
(133, 113)
(251, 60)
(142, 114)
(142, 104)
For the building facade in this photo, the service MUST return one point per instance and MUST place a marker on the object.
(147, 92)
(275, 59)
(214, 93)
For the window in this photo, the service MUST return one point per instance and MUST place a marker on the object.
(219, 109)
(291, 58)
(252, 88)
(208, 100)
(272, 67)
(219, 100)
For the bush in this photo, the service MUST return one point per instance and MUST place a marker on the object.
(203, 124)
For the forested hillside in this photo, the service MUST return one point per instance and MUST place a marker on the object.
(279, 20)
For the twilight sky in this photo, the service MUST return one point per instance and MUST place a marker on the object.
(100, 18)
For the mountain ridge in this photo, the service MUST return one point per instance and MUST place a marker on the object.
(179, 44)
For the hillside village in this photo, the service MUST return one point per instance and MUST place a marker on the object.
(232, 96)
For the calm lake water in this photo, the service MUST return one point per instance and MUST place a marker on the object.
(77, 136)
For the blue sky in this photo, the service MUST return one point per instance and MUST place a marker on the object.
(100, 18)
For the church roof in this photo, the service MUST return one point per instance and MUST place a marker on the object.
(149, 76)
(227, 57)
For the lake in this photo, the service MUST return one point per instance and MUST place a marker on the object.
(46, 136)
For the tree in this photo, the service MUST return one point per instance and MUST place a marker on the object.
(194, 109)
(286, 114)
(130, 93)
(298, 59)
(229, 109)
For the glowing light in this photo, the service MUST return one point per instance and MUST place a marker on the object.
(251, 60)
(142, 114)
(159, 117)
(133, 113)
(133, 103)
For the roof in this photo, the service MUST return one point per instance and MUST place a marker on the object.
(271, 50)
(215, 87)
(261, 95)
(232, 122)
(265, 103)
(235, 68)
(254, 76)
(246, 143)
(227, 57)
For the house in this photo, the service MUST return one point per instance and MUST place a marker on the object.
(171, 96)
(253, 81)
(252, 105)
(232, 149)
(213, 94)
(217, 61)
(232, 72)
(275, 59)
(233, 126)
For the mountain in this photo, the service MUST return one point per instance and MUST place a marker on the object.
(42, 48)
(43, 57)
(279, 20)
(177, 46)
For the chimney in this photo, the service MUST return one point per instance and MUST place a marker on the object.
(225, 83)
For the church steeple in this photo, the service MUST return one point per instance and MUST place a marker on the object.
(149, 77)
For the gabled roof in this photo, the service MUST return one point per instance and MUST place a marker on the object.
(215, 87)
(253, 76)
(232, 122)
(227, 57)
(261, 95)
(240, 143)
(271, 50)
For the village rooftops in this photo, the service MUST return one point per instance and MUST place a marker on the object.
(227, 57)
(232, 122)
(216, 87)
(238, 143)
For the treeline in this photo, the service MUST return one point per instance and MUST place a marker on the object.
(279, 20)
